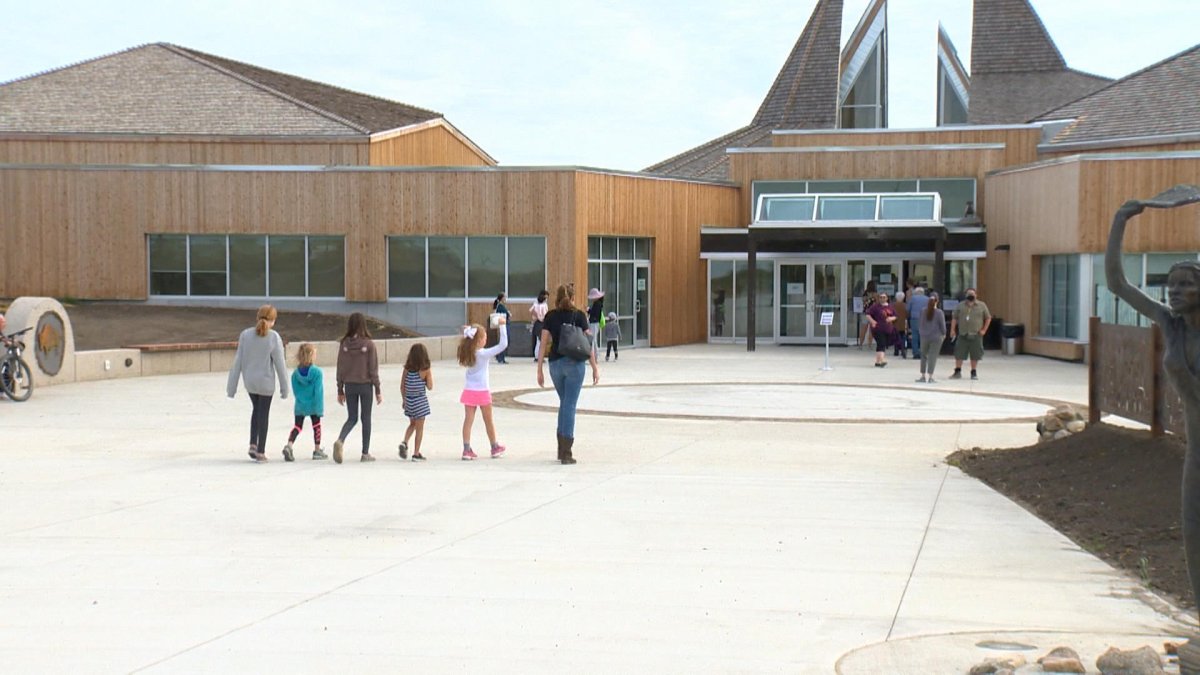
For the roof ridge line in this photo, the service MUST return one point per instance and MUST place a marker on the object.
(432, 113)
(183, 51)
(1120, 80)
(709, 142)
(77, 63)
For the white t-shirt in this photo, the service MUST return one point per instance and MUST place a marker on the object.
(477, 375)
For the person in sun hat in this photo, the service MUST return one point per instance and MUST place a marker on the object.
(595, 311)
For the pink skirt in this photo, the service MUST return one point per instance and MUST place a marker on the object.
(478, 397)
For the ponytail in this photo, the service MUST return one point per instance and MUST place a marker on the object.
(266, 314)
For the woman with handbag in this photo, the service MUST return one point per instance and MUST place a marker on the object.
(561, 345)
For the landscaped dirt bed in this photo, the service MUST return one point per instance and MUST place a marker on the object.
(1114, 491)
(114, 325)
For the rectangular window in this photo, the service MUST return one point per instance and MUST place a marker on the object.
(447, 267)
(906, 208)
(608, 248)
(168, 264)
(485, 266)
(764, 318)
(642, 249)
(889, 186)
(1060, 296)
(846, 208)
(207, 264)
(720, 321)
(955, 192)
(286, 260)
(787, 208)
(406, 267)
(775, 187)
(248, 265)
(326, 267)
(1109, 307)
(526, 266)
(834, 186)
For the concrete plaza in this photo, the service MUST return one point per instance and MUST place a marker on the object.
(731, 512)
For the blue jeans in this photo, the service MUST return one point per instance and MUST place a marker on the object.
(916, 344)
(567, 376)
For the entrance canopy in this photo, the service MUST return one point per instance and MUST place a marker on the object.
(849, 225)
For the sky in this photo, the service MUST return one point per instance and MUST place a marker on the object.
(617, 84)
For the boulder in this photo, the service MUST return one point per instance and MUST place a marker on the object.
(1076, 426)
(1058, 664)
(1052, 424)
(1061, 433)
(1143, 661)
(1066, 413)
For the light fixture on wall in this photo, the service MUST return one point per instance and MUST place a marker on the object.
(1002, 247)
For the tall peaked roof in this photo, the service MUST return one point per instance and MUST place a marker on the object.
(1017, 71)
(803, 96)
(164, 89)
(1158, 100)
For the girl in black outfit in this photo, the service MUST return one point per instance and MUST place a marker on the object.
(498, 307)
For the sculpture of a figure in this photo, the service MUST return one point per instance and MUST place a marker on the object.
(1179, 320)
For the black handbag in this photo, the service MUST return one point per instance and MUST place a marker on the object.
(573, 343)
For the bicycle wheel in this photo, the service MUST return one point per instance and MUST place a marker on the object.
(17, 380)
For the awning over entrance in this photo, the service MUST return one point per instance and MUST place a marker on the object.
(845, 224)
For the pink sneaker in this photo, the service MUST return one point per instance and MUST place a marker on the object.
(498, 451)
(468, 455)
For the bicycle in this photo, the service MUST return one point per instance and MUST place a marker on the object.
(16, 380)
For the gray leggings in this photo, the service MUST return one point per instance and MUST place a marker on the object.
(930, 347)
(356, 394)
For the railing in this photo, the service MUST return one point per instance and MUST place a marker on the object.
(1126, 377)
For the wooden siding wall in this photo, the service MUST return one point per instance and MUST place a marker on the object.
(81, 233)
(745, 168)
(671, 213)
(1021, 144)
(1035, 212)
(435, 146)
(161, 150)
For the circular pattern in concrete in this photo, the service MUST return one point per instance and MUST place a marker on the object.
(793, 402)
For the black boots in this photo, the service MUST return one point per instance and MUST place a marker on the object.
(564, 449)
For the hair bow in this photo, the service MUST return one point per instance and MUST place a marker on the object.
(469, 332)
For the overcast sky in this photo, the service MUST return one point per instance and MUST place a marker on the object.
(620, 84)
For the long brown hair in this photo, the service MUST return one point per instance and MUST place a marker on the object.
(468, 345)
(418, 358)
(266, 314)
(564, 297)
(934, 300)
(356, 327)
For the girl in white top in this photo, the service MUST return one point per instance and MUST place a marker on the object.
(476, 392)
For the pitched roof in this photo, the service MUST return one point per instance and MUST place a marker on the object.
(803, 96)
(163, 89)
(1155, 101)
(1017, 71)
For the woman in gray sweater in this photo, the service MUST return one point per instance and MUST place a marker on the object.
(932, 327)
(259, 361)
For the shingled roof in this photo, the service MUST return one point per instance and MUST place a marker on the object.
(804, 96)
(1158, 100)
(164, 89)
(1017, 71)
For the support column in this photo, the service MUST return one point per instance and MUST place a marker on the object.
(752, 291)
(939, 263)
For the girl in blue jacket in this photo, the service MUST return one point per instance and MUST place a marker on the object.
(308, 386)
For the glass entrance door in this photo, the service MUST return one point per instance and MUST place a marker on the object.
(793, 290)
(641, 305)
(827, 297)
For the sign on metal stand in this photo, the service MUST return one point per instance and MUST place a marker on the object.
(827, 321)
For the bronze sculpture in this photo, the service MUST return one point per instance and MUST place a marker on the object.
(1179, 320)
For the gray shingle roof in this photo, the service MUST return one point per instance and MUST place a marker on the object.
(1017, 71)
(804, 96)
(1161, 99)
(164, 89)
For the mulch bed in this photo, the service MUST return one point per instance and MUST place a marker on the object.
(105, 325)
(1114, 491)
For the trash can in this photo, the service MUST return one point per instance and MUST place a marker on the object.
(1012, 334)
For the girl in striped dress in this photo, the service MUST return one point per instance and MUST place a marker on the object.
(418, 377)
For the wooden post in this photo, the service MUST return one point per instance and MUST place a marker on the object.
(1156, 381)
(1094, 382)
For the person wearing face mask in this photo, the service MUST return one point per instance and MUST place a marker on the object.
(968, 324)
